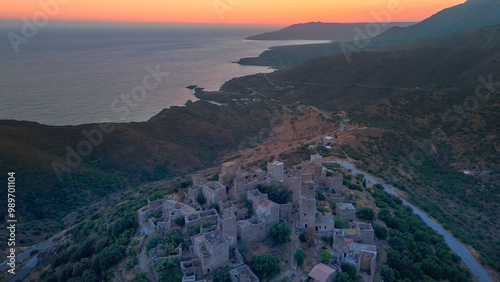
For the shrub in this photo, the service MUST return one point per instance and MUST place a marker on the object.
(380, 231)
(281, 233)
(276, 193)
(168, 271)
(180, 221)
(350, 270)
(201, 199)
(302, 237)
(131, 263)
(265, 266)
(319, 196)
(221, 275)
(366, 213)
(341, 223)
(299, 257)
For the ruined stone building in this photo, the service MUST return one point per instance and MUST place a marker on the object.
(243, 274)
(346, 211)
(354, 246)
(215, 233)
(276, 169)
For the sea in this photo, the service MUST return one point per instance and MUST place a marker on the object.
(75, 73)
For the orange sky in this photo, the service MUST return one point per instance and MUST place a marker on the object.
(229, 11)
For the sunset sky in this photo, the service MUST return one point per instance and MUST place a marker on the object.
(281, 12)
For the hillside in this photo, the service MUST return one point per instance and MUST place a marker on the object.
(472, 14)
(464, 17)
(176, 141)
(321, 31)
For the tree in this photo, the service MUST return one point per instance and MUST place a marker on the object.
(380, 231)
(168, 271)
(366, 213)
(299, 257)
(302, 237)
(359, 176)
(276, 193)
(221, 275)
(341, 223)
(281, 233)
(180, 221)
(387, 273)
(319, 196)
(201, 199)
(326, 256)
(350, 270)
(265, 266)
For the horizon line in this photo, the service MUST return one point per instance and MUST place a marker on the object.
(79, 21)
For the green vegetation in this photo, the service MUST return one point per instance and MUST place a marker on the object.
(248, 204)
(281, 233)
(197, 228)
(215, 207)
(157, 214)
(322, 209)
(215, 177)
(299, 257)
(349, 273)
(170, 243)
(351, 185)
(95, 246)
(417, 252)
(276, 193)
(265, 267)
(168, 271)
(359, 176)
(155, 196)
(365, 213)
(341, 222)
(319, 196)
(302, 237)
(201, 199)
(221, 275)
(180, 221)
(380, 231)
(326, 256)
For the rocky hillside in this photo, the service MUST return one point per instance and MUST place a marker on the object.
(434, 106)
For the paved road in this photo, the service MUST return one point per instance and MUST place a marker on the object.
(27, 253)
(476, 269)
(25, 271)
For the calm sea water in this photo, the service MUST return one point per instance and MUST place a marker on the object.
(74, 74)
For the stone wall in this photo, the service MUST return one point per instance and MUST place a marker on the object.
(286, 212)
(251, 230)
(307, 211)
(365, 232)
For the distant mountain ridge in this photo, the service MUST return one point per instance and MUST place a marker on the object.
(321, 31)
(469, 15)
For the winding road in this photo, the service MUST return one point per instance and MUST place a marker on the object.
(476, 269)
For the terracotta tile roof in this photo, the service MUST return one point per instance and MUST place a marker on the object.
(321, 272)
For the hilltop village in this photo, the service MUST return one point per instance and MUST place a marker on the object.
(207, 225)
